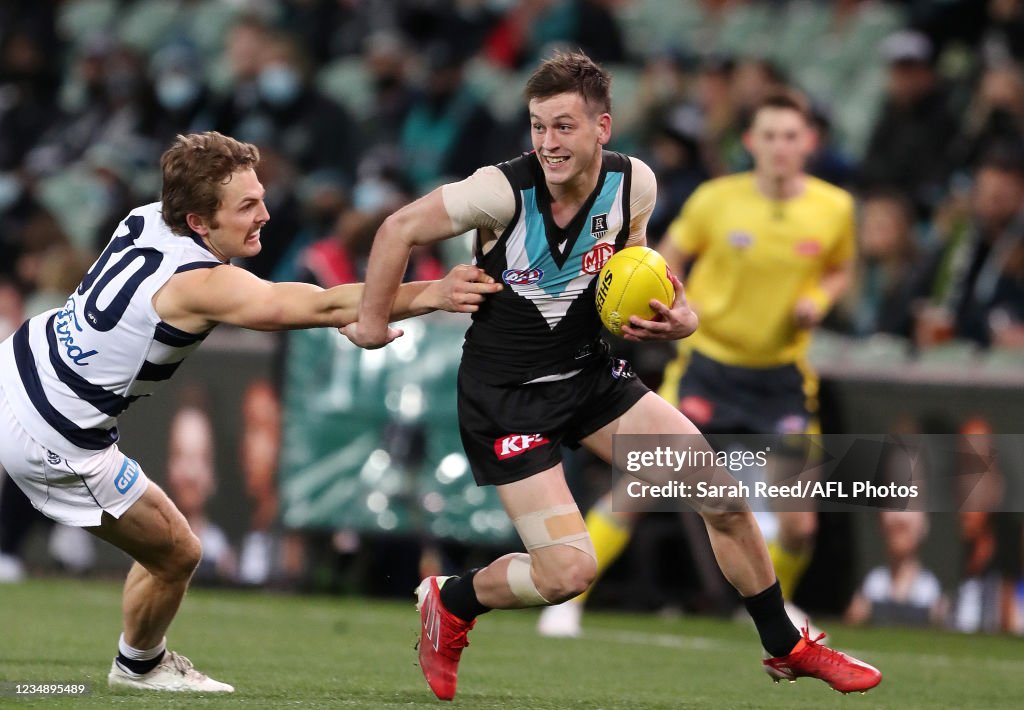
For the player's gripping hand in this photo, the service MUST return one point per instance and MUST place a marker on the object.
(462, 290)
(673, 323)
(370, 338)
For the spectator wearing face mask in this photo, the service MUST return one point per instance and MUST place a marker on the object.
(181, 93)
(287, 111)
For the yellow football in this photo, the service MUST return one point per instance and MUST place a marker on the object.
(627, 283)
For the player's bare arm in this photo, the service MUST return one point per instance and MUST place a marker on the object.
(197, 300)
(422, 222)
(483, 201)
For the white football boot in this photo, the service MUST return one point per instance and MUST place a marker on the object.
(174, 673)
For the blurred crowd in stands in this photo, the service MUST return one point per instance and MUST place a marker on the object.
(359, 106)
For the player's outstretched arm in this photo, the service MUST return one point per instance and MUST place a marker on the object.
(462, 290)
(422, 222)
(197, 300)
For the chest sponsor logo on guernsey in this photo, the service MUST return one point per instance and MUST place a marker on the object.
(596, 258)
(66, 325)
(741, 240)
(522, 277)
(809, 247)
(127, 476)
(515, 444)
(598, 225)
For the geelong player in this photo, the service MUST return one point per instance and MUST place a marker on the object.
(154, 294)
(535, 376)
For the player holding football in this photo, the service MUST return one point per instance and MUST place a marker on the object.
(535, 376)
(154, 294)
(771, 250)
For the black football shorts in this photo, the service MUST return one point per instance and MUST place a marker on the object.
(724, 399)
(511, 432)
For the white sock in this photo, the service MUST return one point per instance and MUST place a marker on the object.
(134, 654)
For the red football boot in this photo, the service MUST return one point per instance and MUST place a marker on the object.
(814, 660)
(442, 639)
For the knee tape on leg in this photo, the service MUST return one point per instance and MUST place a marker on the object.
(558, 525)
(520, 581)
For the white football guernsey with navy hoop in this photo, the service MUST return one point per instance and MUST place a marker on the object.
(67, 374)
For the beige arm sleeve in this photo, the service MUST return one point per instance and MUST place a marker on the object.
(643, 194)
(484, 200)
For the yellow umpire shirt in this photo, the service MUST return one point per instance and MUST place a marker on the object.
(755, 257)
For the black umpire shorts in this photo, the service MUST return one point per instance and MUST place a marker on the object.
(511, 432)
(723, 399)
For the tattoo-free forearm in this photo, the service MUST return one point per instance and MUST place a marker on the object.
(388, 260)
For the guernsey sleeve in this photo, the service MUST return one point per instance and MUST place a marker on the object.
(484, 200)
(643, 194)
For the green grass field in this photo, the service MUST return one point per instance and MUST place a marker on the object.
(286, 651)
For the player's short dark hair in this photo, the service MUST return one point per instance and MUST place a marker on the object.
(194, 170)
(785, 99)
(571, 73)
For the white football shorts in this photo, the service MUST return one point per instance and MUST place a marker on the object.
(71, 491)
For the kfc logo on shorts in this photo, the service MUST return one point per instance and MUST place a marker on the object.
(594, 259)
(515, 444)
(127, 476)
(522, 277)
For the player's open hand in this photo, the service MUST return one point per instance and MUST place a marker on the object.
(463, 289)
(673, 323)
(370, 338)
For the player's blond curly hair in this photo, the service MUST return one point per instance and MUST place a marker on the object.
(194, 171)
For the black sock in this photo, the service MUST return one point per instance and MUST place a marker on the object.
(459, 597)
(139, 667)
(778, 635)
